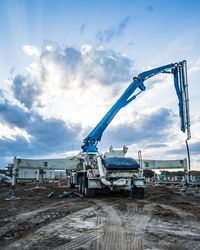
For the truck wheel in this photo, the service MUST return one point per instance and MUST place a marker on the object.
(83, 184)
(89, 192)
(138, 193)
(80, 181)
(72, 185)
(125, 193)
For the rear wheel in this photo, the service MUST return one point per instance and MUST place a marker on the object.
(72, 185)
(80, 184)
(83, 184)
(125, 193)
(138, 193)
(87, 192)
(141, 193)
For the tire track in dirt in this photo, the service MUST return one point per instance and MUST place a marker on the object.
(23, 217)
(136, 225)
(41, 234)
(114, 231)
(67, 226)
(124, 231)
(87, 237)
(80, 241)
(105, 226)
(99, 223)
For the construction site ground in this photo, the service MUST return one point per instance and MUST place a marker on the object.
(165, 219)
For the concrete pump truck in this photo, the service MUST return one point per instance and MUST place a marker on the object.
(94, 171)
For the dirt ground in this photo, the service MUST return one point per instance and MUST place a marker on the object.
(165, 219)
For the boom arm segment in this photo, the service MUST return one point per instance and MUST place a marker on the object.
(179, 71)
(181, 87)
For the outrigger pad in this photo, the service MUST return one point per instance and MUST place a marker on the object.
(120, 163)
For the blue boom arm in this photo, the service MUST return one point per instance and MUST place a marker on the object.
(179, 71)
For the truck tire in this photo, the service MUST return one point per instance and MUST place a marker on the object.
(72, 185)
(125, 193)
(80, 181)
(87, 192)
(83, 184)
(138, 193)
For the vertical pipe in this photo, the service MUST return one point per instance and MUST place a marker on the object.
(37, 177)
(140, 158)
(186, 99)
(13, 181)
(101, 172)
(188, 153)
(140, 163)
(14, 172)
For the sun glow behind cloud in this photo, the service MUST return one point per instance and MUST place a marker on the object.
(71, 79)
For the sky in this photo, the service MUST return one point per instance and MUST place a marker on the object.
(63, 64)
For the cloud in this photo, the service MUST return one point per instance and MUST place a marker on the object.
(113, 32)
(72, 66)
(157, 145)
(157, 120)
(46, 135)
(150, 8)
(14, 115)
(158, 79)
(82, 29)
(25, 90)
(108, 67)
(145, 129)
(31, 50)
(19, 146)
(52, 134)
(194, 149)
